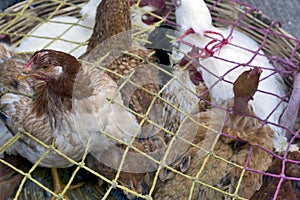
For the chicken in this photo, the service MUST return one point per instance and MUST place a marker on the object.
(278, 183)
(224, 54)
(9, 178)
(47, 55)
(277, 187)
(183, 91)
(70, 34)
(128, 60)
(11, 64)
(58, 102)
(223, 161)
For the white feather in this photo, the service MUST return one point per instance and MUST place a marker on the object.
(102, 114)
(58, 71)
(60, 33)
(88, 11)
(63, 33)
(182, 99)
(194, 14)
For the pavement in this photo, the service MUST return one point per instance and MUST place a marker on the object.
(287, 12)
(6, 3)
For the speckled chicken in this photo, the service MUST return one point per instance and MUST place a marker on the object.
(127, 58)
(11, 64)
(184, 92)
(284, 182)
(218, 158)
(61, 113)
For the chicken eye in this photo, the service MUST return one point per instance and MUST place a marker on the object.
(45, 67)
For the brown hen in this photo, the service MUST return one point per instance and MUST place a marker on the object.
(55, 114)
(137, 74)
(221, 162)
(11, 65)
(289, 189)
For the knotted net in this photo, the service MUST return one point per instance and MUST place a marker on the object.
(280, 48)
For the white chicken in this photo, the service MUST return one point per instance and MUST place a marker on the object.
(64, 33)
(226, 53)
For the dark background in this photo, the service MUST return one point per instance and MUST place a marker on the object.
(285, 11)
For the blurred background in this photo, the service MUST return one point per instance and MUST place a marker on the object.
(284, 11)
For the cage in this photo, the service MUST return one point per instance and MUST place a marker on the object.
(176, 169)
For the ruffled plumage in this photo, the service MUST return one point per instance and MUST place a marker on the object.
(212, 159)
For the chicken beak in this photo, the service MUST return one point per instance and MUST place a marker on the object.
(22, 76)
(26, 72)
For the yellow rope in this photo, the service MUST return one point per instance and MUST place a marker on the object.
(10, 142)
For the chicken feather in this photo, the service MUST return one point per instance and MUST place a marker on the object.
(12, 64)
(71, 34)
(229, 60)
(47, 105)
(209, 173)
(130, 59)
(289, 189)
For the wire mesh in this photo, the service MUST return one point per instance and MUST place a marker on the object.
(200, 134)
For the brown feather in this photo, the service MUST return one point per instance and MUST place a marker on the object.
(57, 80)
(54, 95)
(289, 189)
(128, 65)
(112, 18)
(215, 171)
(9, 178)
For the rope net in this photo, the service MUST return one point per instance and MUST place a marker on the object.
(198, 154)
